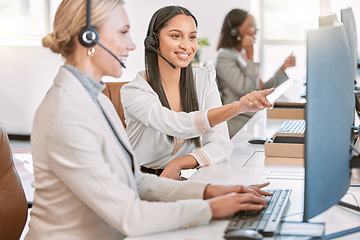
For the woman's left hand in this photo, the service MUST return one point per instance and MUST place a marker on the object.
(212, 191)
(174, 167)
(172, 171)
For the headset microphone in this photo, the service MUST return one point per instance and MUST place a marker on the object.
(121, 63)
(89, 36)
(148, 45)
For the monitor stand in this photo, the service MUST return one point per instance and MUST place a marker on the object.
(350, 206)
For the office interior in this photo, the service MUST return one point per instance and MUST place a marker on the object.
(27, 71)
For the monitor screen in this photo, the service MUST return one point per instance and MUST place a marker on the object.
(329, 119)
(347, 18)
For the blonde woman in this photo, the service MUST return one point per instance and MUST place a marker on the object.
(86, 183)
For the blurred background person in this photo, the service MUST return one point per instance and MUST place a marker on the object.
(236, 71)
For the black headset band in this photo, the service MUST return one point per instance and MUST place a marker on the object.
(228, 21)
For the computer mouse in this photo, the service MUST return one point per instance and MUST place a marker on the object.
(257, 140)
(243, 234)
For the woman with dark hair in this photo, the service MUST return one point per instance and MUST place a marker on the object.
(166, 107)
(236, 71)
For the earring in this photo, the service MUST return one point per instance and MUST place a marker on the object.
(91, 51)
(238, 38)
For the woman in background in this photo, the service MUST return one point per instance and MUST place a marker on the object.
(86, 183)
(174, 116)
(236, 71)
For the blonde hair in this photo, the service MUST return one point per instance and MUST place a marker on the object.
(70, 17)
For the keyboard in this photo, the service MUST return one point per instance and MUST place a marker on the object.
(294, 128)
(266, 220)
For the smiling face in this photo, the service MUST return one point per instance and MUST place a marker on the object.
(178, 41)
(114, 35)
(248, 27)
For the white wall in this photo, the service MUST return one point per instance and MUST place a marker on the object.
(209, 13)
(28, 71)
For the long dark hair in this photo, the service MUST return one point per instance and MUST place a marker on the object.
(188, 94)
(232, 20)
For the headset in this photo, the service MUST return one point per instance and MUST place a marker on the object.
(233, 32)
(151, 42)
(89, 36)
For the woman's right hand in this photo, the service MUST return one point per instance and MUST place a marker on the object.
(247, 42)
(231, 203)
(254, 101)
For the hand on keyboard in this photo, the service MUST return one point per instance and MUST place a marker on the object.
(266, 220)
(227, 200)
(231, 203)
(212, 191)
(256, 188)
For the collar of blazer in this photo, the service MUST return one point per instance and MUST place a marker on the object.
(69, 83)
(238, 58)
(234, 54)
(140, 82)
(113, 117)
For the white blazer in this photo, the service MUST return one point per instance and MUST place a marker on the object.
(84, 185)
(149, 123)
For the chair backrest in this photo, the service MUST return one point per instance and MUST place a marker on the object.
(13, 205)
(112, 91)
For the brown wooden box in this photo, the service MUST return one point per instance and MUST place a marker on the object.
(287, 110)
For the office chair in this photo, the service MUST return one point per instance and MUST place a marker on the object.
(112, 91)
(13, 205)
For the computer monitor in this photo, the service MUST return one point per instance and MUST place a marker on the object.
(347, 18)
(329, 119)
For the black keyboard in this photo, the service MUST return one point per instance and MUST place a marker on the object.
(266, 220)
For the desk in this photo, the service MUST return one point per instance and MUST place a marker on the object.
(245, 168)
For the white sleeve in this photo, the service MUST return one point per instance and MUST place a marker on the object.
(217, 146)
(154, 188)
(78, 161)
(146, 108)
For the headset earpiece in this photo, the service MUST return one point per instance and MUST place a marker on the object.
(88, 37)
(234, 32)
(151, 42)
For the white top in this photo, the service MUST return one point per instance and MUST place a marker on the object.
(149, 123)
(241, 59)
(84, 185)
